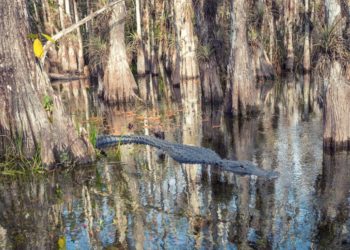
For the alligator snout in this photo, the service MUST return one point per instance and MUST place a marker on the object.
(247, 168)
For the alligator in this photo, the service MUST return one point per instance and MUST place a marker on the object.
(187, 154)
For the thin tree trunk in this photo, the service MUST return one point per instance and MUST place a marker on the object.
(153, 60)
(141, 64)
(80, 53)
(290, 6)
(272, 29)
(161, 53)
(307, 58)
(60, 9)
(209, 70)
(67, 9)
(186, 49)
(23, 87)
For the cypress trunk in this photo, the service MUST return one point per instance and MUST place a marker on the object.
(118, 83)
(244, 94)
(23, 87)
(186, 50)
(141, 60)
(336, 133)
(208, 66)
(307, 58)
(289, 21)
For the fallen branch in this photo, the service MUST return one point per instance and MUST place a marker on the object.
(75, 26)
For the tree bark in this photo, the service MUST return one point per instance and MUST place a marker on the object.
(336, 133)
(336, 113)
(208, 66)
(186, 49)
(80, 53)
(23, 86)
(141, 63)
(244, 96)
(289, 23)
(118, 83)
(307, 58)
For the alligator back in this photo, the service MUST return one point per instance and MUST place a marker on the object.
(179, 152)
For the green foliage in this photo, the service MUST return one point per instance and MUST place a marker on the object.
(161, 86)
(53, 4)
(171, 41)
(253, 36)
(93, 134)
(32, 36)
(256, 14)
(329, 45)
(117, 152)
(133, 41)
(98, 54)
(16, 162)
(330, 42)
(48, 103)
(204, 52)
(48, 38)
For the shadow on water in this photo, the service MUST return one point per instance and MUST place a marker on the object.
(135, 199)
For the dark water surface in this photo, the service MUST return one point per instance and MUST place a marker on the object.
(134, 199)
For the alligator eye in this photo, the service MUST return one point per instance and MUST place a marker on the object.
(241, 166)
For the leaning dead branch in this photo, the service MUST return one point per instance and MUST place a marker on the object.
(75, 26)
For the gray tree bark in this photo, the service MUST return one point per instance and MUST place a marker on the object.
(336, 133)
(118, 83)
(244, 94)
(209, 70)
(23, 86)
(186, 50)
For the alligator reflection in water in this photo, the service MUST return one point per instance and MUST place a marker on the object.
(142, 203)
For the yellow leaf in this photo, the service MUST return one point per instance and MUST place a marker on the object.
(62, 243)
(38, 48)
(49, 38)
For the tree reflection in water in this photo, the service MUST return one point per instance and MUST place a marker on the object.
(140, 201)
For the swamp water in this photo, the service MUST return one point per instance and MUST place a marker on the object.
(133, 199)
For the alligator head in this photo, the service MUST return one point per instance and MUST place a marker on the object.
(246, 168)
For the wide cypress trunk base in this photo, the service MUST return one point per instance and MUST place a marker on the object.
(118, 85)
(32, 117)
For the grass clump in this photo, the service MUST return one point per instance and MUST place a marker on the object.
(330, 45)
(204, 53)
(14, 161)
(98, 54)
